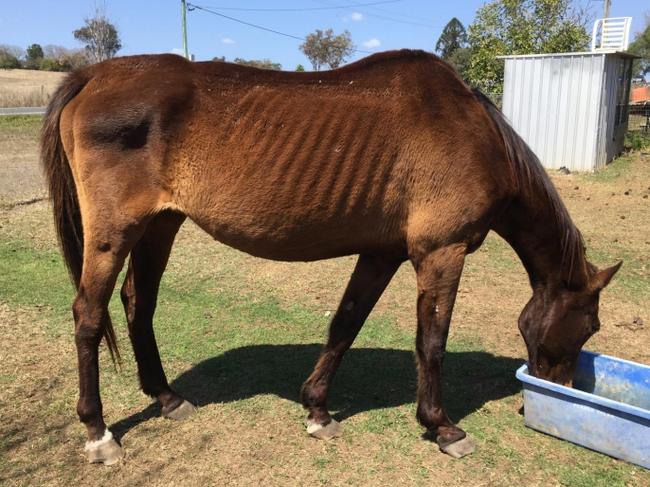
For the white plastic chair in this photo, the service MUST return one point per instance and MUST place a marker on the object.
(614, 34)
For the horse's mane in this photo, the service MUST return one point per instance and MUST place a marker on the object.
(531, 179)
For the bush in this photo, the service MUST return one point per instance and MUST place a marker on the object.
(636, 141)
(8, 61)
(49, 64)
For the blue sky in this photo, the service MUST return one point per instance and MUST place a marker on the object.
(154, 26)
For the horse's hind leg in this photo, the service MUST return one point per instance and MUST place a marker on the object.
(139, 293)
(369, 279)
(106, 245)
(438, 274)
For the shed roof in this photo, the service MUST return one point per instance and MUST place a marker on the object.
(567, 54)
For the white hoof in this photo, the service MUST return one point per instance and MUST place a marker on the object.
(333, 429)
(460, 448)
(105, 450)
(184, 411)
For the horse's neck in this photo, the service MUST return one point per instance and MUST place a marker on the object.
(545, 239)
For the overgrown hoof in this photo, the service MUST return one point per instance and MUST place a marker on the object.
(458, 449)
(105, 450)
(183, 411)
(333, 429)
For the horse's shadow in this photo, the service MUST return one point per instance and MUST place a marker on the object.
(369, 378)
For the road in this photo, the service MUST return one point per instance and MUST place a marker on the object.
(23, 111)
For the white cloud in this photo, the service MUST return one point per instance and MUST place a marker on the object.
(353, 17)
(227, 40)
(372, 43)
(179, 51)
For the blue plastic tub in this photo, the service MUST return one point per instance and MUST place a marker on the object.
(608, 410)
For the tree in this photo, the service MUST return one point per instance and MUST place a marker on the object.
(259, 63)
(34, 53)
(324, 48)
(59, 58)
(460, 60)
(503, 27)
(10, 56)
(300, 68)
(641, 47)
(453, 37)
(100, 37)
(34, 56)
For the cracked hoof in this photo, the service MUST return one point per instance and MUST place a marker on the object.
(460, 448)
(183, 411)
(333, 429)
(105, 450)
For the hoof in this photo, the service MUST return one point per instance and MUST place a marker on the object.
(460, 448)
(185, 410)
(105, 450)
(333, 429)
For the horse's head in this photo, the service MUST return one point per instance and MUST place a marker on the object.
(557, 322)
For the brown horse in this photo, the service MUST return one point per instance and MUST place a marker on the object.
(393, 158)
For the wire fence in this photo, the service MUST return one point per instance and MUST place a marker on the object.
(639, 117)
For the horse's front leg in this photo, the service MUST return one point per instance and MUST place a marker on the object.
(369, 279)
(438, 275)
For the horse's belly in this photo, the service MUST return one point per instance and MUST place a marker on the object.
(300, 239)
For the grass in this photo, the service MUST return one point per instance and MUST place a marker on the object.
(246, 354)
(236, 340)
(27, 88)
(613, 170)
(20, 124)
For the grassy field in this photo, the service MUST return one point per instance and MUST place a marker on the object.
(27, 88)
(238, 335)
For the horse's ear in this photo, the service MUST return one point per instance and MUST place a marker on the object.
(601, 278)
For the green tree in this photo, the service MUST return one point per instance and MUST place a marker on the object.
(641, 47)
(300, 68)
(34, 55)
(323, 48)
(460, 60)
(453, 37)
(259, 63)
(99, 36)
(10, 57)
(503, 27)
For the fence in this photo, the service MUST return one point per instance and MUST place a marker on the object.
(639, 117)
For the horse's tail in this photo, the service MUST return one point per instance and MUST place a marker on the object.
(62, 188)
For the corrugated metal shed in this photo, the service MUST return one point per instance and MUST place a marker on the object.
(571, 108)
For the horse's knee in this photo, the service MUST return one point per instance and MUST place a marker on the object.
(88, 320)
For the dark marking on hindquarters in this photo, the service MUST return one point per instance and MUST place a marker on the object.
(128, 134)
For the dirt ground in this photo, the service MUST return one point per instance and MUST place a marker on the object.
(256, 436)
(26, 87)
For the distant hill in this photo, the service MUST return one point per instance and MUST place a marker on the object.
(26, 87)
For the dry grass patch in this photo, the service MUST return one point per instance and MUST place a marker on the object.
(27, 88)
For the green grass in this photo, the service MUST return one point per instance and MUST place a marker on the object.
(612, 171)
(20, 123)
(218, 337)
(636, 141)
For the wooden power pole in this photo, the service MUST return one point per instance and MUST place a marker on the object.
(184, 20)
(606, 13)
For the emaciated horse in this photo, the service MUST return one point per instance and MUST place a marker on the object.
(393, 158)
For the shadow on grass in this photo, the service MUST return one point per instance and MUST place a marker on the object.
(368, 379)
